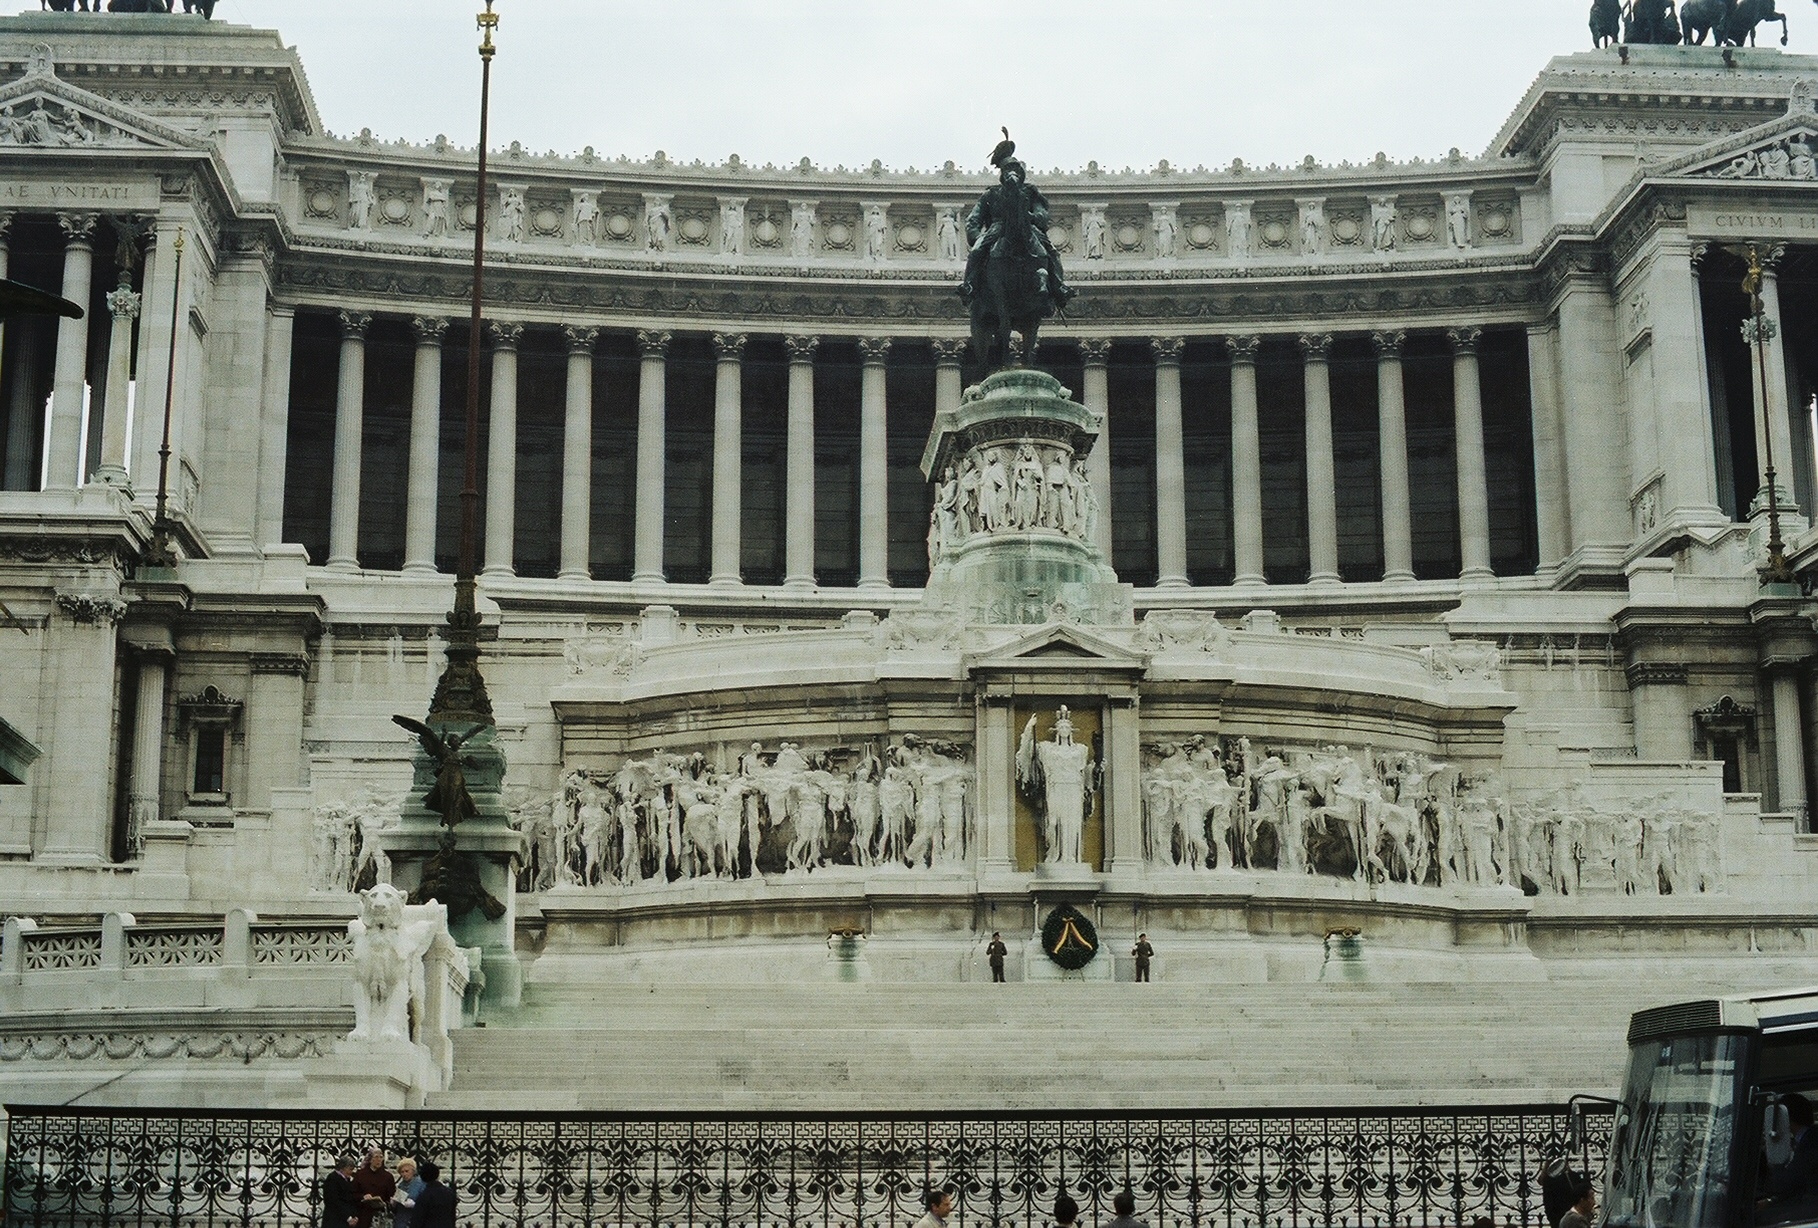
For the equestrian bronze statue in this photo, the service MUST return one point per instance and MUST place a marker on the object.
(1013, 275)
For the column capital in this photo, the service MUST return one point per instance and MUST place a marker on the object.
(653, 342)
(1388, 342)
(429, 329)
(77, 227)
(1095, 351)
(1167, 350)
(729, 347)
(1771, 256)
(6, 224)
(1316, 347)
(580, 340)
(1244, 348)
(801, 348)
(949, 351)
(874, 350)
(123, 304)
(1464, 340)
(354, 324)
(1695, 255)
(505, 336)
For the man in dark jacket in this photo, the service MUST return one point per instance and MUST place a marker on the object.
(995, 953)
(340, 1201)
(1124, 1203)
(436, 1204)
(1792, 1188)
(1144, 954)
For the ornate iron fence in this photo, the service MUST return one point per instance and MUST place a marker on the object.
(1429, 1167)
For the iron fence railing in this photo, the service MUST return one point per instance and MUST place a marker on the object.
(1376, 1168)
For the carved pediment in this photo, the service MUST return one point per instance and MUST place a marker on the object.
(42, 111)
(1785, 149)
(1060, 647)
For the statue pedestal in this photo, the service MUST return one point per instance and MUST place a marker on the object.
(373, 1074)
(1015, 531)
(491, 845)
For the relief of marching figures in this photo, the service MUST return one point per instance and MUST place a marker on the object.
(672, 816)
(1013, 488)
(1400, 817)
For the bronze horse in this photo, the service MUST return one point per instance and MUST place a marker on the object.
(1010, 294)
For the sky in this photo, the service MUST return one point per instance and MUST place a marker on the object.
(1124, 83)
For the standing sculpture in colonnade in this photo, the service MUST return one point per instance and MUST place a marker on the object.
(1013, 275)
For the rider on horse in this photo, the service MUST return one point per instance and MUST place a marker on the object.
(986, 225)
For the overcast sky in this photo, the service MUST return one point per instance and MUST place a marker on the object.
(1122, 82)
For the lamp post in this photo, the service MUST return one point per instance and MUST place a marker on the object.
(1757, 331)
(461, 690)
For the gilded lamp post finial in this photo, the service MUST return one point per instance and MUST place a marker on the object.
(487, 21)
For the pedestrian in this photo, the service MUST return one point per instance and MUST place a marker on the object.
(1584, 1204)
(375, 1185)
(404, 1201)
(1066, 1211)
(939, 1204)
(436, 1204)
(340, 1202)
(995, 953)
(1124, 1203)
(1144, 953)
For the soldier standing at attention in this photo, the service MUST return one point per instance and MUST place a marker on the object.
(1144, 953)
(995, 953)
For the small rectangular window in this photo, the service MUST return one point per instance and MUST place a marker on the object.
(211, 760)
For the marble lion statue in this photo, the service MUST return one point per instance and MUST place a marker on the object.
(390, 938)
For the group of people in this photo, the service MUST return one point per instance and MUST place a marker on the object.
(939, 1205)
(672, 816)
(355, 1194)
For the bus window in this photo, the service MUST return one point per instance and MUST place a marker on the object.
(1671, 1146)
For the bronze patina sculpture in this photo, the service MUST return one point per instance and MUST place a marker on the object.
(449, 796)
(1013, 275)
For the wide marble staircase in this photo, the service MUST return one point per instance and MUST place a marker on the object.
(644, 1046)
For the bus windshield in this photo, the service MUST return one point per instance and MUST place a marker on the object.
(1670, 1147)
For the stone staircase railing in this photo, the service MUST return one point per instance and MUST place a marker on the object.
(242, 988)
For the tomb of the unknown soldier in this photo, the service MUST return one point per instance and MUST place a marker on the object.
(725, 693)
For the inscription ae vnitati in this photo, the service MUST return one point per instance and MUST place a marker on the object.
(64, 193)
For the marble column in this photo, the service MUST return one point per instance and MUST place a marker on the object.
(145, 793)
(123, 306)
(350, 428)
(1789, 746)
(502, 453)
(1551, 498)
(874, 466)
(1473, 483)
(421, 481)
(274, 423)
(1246, 461)
(798, 512)
(1779, 414)
(25, 409)
(1322, 494)
(1095, 395)
(577, 457)
(949, 386)
(647, 553)
(1392, 445)
(1170, 467)
(72, 355)
(728, 437)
